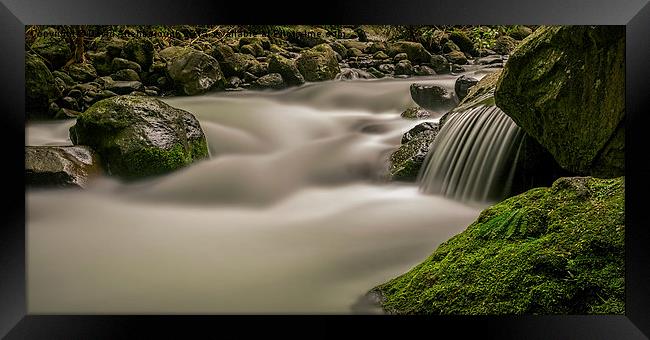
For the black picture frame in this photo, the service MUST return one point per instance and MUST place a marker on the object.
(16, 323)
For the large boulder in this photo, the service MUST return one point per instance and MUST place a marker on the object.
(318, 63)
(193, 72)
(40, 88)
(565, 86)
(433, 97)
(287, 69)
(550, 250)
(140, 136)
(140, 50)
(60, 166)
(52, 46)
(415, 51)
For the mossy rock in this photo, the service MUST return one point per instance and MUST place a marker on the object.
(82, 72)
(463, 42)
(406, 161)
(318, 63)
(505, 44)
(231, 63)
(287, 69)
(565, 86)
(140, 136)
(140, 50)
(194, 72)
(52, 46)
(415, 51)
(557, 250)
(40, 88)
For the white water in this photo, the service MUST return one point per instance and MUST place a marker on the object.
(472, 158)
(288, 216)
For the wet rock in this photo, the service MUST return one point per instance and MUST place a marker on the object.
(415, 51)
(387, 68)
(400, 57)
(140, 136)
(124, 87)
(440, 64)
(231, 63)
(423, 70)
(415, 112)
(520, 32)
(406, 161)
(121, 64)
(403, 67)
(270, 81)
(126, 74)
(505, 44)
(456, 57)
(60, 166)
(432, 97)
(463, 84)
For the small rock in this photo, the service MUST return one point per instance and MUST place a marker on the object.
(462, 85)
(60, 166)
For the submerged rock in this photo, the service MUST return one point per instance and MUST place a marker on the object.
(60, 166)
(432, 97)
(557, 250)
(140, 136)
(565, 86)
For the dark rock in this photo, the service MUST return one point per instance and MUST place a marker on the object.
(361, 46)
(375, 72)
(122, 64)
(231, 63)
(403, 67)
(520, 32)
(381, 55)
(440, 64)
(492, 59)
(415, 51)
(60, 166)
(287, 69)
(577, 113)
(456, 57)
(65, 77)
(339, 48)
(140, 136)
(406, 161)
(262, 41)
(53, 48)
(252, 49)
(432, 97)
(82, 72)
(140, 50)
(270, 81)
(462, 86)
(354, 52)
(126, 74)
(463, 42)
(101, 62)
(450, 46)
(387, 68)
(423, 70)
(416, 112)
(505, 45)
(40, 88)
(124, 87)
(194, 72)
(400, 57)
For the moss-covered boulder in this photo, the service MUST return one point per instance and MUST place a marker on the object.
(140, 136)
(82, 72)
(40, 88)
(557, 250)
(287, 69)
(415, 51)
(60, 166)
(464, 43)
(231, 63)
(52, 46)
(406, 161)
(565, 86)
(140, 50)
(318, 63)
(270, 81)
(194, 72)
(505, 44)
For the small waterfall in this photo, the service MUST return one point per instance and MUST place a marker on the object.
(474, 156)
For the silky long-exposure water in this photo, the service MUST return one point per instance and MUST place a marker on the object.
(289, 215)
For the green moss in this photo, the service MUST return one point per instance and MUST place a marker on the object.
(557, 250)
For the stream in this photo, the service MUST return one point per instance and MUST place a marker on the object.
(289, 215)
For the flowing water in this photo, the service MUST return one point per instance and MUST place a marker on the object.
(473, 157)
(289, 215)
